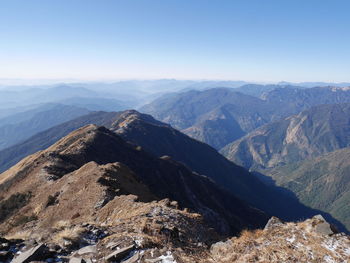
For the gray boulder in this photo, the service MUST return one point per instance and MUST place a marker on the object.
(120, 254)
(36, 253)
(273, 222)
(321, 226)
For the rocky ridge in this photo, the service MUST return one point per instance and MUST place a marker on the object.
(92, 166)
(159, 139)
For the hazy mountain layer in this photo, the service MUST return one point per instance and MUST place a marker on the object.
(42, 140)
(17, 128)
(258, 90)
(218, 116)
(64, 94)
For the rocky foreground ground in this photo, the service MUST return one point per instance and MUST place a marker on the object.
(158, 232)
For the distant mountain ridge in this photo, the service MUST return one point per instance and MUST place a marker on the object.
(10, 156)
(194, 111)
(62, 94)
(220, 116)
(21, 126)
(258, 90)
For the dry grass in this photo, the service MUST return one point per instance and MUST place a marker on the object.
(71, 234)
(24, 235)
(288, 243)
(62, 224)
(250, 234)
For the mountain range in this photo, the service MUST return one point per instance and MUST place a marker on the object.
(161, 140)
(220, 116)
(94, 186)
(94, 196)
(14, 101)
(318, 130)
(306, 153)
(34, 121)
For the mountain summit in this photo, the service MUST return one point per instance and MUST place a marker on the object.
(99, 154)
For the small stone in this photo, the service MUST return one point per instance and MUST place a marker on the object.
(273, 222)
(119, 254)
(174, 204)
(113, 245)
(87, 250)
(33, 254)
(76, 260)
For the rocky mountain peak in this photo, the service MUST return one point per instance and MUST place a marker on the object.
(86, 170)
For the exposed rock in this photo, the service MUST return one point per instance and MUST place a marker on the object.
(274, 221)
(221, 245)
(133, 259)
(76, 260)
(87, 250)
(34, 254)
(321, 226)
(284, 242)
(119, 254)
(113, 245)
(167, 258)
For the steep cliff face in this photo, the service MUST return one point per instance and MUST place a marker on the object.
(309, 134)
(322, 182)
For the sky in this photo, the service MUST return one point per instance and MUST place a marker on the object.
(252, 40)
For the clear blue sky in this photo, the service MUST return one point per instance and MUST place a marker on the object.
(262, 40)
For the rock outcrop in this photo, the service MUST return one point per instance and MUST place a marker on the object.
(157, 232)
(312, 240)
